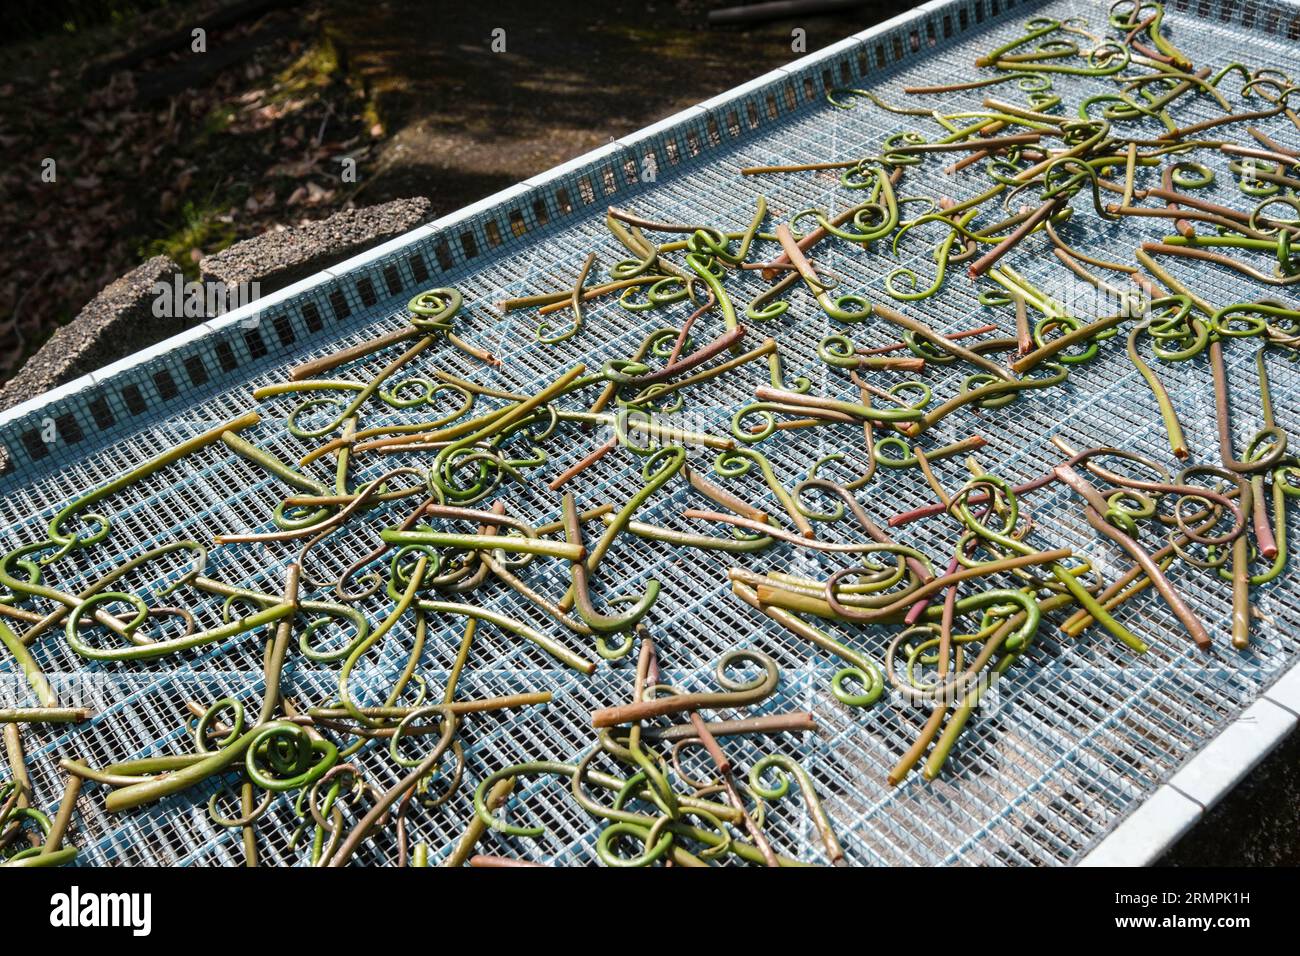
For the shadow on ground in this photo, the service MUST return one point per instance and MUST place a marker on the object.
(462, 120)
(1257, 824)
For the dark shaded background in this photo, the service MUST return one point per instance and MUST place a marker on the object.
(162, 151)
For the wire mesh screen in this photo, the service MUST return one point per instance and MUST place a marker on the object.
(1074, 737)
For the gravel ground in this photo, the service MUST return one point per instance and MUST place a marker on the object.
(114, 324)
(281, 257)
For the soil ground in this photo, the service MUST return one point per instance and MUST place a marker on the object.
(159, 149)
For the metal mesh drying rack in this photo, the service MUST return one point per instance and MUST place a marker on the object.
(1084, 750)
